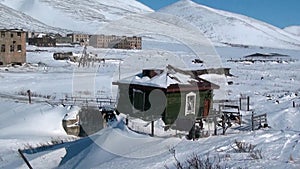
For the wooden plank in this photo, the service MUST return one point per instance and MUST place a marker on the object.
(24, 158)
(231, 106)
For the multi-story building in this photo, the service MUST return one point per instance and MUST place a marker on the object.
(113, 41)
(42, 41)
(82, 39)
(12, 46)
(129, 43)
(102, 41)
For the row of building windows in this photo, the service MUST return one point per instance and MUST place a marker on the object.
(11, 35)
(12, 48)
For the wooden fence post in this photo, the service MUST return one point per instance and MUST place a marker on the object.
(294, 105)
(252, 121)
(29, 96)
(152, 128)
(248, 103)
(223, 123)
(240, 103)
(215, 125)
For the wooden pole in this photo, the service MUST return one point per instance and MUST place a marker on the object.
(252, 121)
(240, 103)
(152, 128)
(215, 125)
(248, 103)
(294, 105)
(24, 158)
(29, 96)
(223, 123)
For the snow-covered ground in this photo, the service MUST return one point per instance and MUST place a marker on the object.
(272, 87)
(26, 125)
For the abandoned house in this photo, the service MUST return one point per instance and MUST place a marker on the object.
(13, 46)
(129, 43)
(113, 41)
(177, 96)
(102, 41)
(81, 39)
(62, 39)
(42, 40)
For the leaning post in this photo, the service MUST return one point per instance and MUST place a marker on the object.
(29, 96)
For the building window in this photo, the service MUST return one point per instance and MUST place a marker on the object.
(138, 100)
(12, 48)
(190, 103)
(11, 35)
(19, 48)
(2, 48)
(19, 34)
(2, 34)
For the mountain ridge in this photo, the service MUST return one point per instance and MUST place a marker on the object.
(12, 19)
(230, 28)
(84, 16)
(295, 30)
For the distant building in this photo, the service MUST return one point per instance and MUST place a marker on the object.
(62, 39)
(103, 41)
(13, 46)
(113, 41)
(43, 40)
(82, 39)
(177, 96)
(129, 43)
(32, 34)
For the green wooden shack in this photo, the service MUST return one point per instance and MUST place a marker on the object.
(177, 96)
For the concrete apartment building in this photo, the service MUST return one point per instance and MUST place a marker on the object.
(113, 41)
(129, 43)
(42, 41)
(13, 46)
(103, 41)
(82, 39)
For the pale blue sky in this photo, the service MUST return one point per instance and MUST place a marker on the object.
(280, 13)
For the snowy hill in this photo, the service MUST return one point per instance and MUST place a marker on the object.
(293, 29)
(11, 18)
(229, 28)
(85, 16)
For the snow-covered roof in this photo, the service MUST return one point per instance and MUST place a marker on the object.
(164, 78)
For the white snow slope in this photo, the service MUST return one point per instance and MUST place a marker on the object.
(226, 27)
(25, 126)
(85, 16)
(11, 19)
(293, 29)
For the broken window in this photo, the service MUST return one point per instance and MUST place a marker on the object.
(2, 48)
(19, 48)
(19, 34)
(138, 100)
(2, 34)
(11, 35)
(12, 48)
